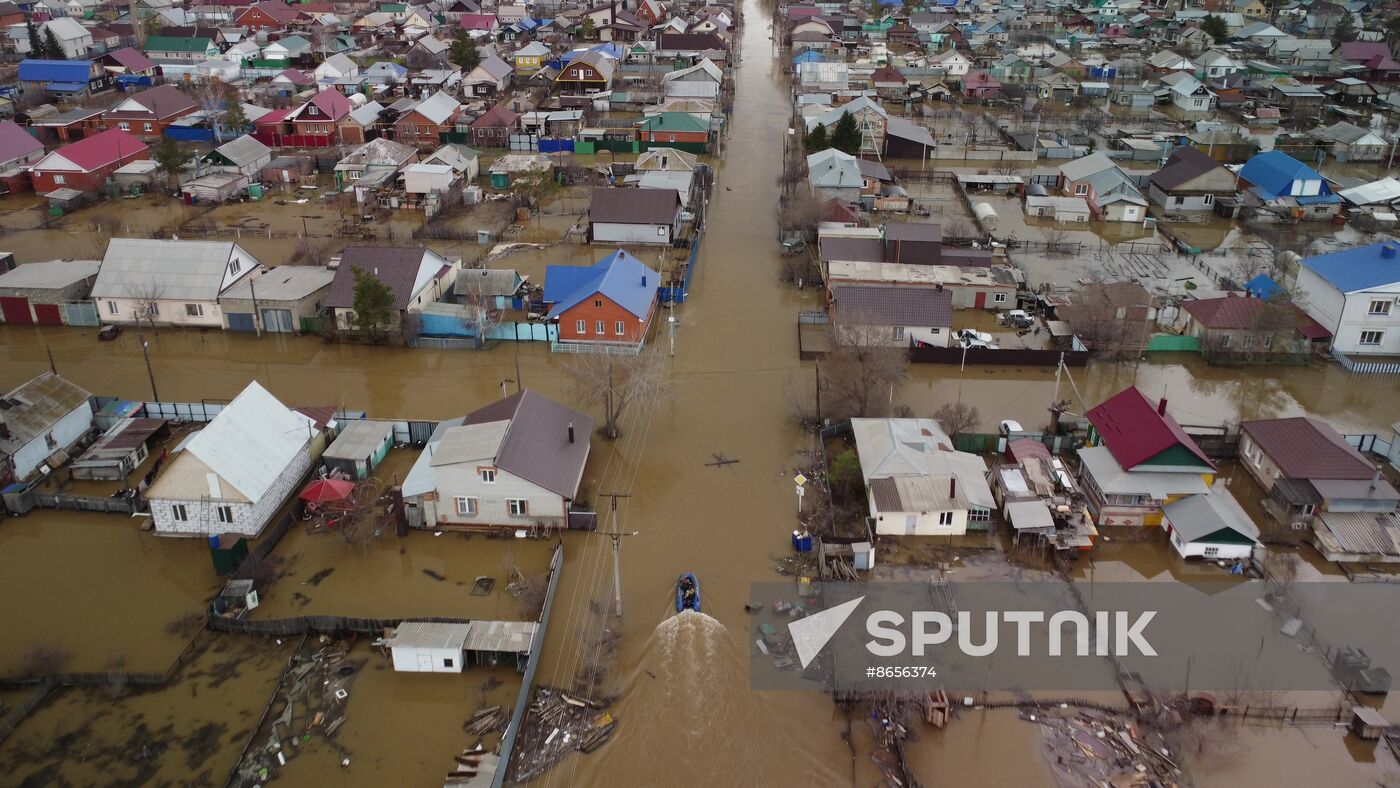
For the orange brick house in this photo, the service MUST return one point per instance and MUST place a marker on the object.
(611, 302)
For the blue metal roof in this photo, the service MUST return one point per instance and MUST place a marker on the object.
(809, 56)
(55, 71)
(1358, 269)
(1274, 172)
(622, 278)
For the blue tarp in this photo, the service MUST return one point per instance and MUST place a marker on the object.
(1262, 286)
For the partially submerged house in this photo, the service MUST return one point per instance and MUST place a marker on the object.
(1286, 184)
(1307, 468)
(41, 421)
(1355, 295)
(175, 283)
(1112, 196)
(892, 315)
(634, 216)
(1138, 458)
(1190, 181)
(611, 302)
(916, 483)
(416, 277)
(358, 448)
(1211, 526)
(234, 474)
(514, 464)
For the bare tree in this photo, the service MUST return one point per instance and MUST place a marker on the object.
(1102, 320)
(957, 418)
(482, 314)
(859, 376)
(801, 213)
(618, 381)
(1056, 239)
(146, 302)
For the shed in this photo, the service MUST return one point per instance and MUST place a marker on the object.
(428, 647)
(118, 452)
(1210, 526)
(216, 187)
(359, 448)
(1368, 723)
(501, 642)
(36, 292)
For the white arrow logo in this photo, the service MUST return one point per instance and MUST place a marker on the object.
(812, 633)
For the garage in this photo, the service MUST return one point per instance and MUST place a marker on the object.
(277, 321)
(15, 310)
(48, 314)
(239, 321)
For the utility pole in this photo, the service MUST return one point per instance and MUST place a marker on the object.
(616, 537)
(671, 321)
(819, 392)
(141, 337)
(52, 367)
(518, 379)
(252, 288)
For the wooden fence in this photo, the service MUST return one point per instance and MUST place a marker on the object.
(300, 625)
(996, 357)
(89, 503)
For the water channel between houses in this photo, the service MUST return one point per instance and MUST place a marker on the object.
(101, 588)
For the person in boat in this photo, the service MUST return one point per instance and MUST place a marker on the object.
(687, 590)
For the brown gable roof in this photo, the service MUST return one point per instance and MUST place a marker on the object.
(395, 266)
(634, 206)
(536, 445)
(1185, 164)
(1305, 448)
(892, 305)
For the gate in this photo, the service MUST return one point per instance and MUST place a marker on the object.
(48, 315)
(239, 321)
(556, 146)
(277, 321)
(524, 142)
(16, 310)
(80, 313)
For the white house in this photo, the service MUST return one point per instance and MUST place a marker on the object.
(1210, 526)
(634, 216)
(337, 66)
(75, 39)
(701, 80)
(1187, 92)
(428, 647)
(953, 63)
(233, 475)
(515, 463)
(1355, 294)
(46, 415)
(175, 283)
(916, 483)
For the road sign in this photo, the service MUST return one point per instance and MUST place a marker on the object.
(800, 479)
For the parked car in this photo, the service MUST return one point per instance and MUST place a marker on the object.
(1017, 318)
(1011, 427)
(971, 342)
(979, 336)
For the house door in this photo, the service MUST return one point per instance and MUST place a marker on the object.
(981, 302)
(16, 310)
(240, 321)
(911, 522)
(48, 314)
(277, 321)
(425, 663)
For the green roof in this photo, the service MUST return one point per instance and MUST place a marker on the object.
(393, 8)
(674, 121)
(177, 44)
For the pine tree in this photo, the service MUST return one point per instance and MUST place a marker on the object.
(1215, 27)
(52, 49)
(845, 137)
(1345, 30)
(36, 47)
(463, 51)
(816, 139)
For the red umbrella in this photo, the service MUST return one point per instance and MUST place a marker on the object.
(327, 490)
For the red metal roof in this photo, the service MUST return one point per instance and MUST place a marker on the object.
(273, 118)
(1135, 432)
(99, 150)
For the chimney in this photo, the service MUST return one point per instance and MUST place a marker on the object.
(1388, 250)
(952, 488)
(644, 280)
(571, 432)
(1162, 407)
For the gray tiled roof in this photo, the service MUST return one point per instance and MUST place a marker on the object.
(536, 445)
(893, 305)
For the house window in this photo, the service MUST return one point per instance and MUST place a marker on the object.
(1248, 341)
(1225, 340)
(945, 518)
(1268, 341)
(599, 328)
(1081, 189)
(1208, 199)
(518, 507)
(488, 475)
(178, 513)
(235, 266)
(582, 327)
(1211, 552)
(111, 307)
(1372, 337)
(147, 126)
(998, 298)
(1176, 200)
(977, 514)
(123, 125)
(59, 180)
(618, 328)
(597, 303)
(448, 662)
(899, 333)
(465, 506)
(1307, 508)
(194, 310)
(225, 514)
(1380, 307)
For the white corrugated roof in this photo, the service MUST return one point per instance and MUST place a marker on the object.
(466, 444)
(173, 270)
(252, 441)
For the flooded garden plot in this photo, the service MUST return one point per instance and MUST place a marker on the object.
(97, 591)
(434, 706)
(420, 575)
(186, 733)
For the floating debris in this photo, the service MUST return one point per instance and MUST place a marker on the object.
(486, 721)
(556, 724)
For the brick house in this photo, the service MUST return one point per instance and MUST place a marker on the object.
(421, 125)
(612, 301)
(86, 164)
(317, 118)
(494, 127)
(269, 15)
(147, 114)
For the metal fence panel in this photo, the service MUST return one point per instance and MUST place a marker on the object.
(80, 313)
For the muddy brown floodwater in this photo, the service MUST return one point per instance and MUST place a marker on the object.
(685, 706)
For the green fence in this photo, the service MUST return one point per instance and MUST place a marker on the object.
(1172, 343)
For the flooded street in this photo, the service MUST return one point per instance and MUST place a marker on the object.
(684, 703)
